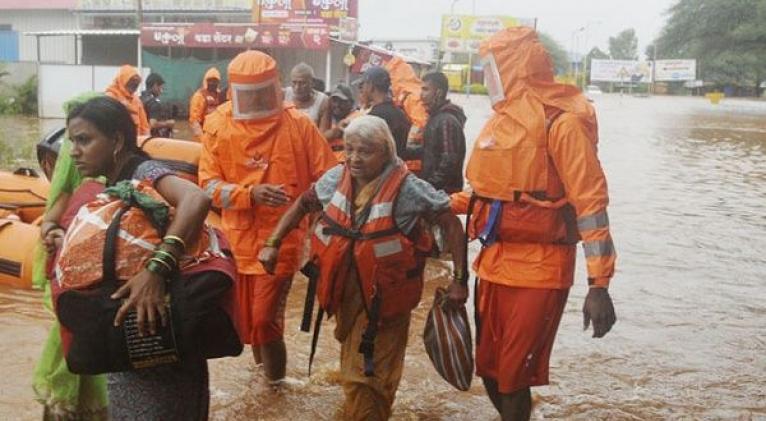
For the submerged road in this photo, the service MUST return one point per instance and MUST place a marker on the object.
(687, 182)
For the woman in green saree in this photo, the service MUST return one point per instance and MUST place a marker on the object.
(66, 396)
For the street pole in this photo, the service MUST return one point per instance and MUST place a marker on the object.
(139, 19)
(654, 68)
(575, 50)
(470, 56)
(328, 68)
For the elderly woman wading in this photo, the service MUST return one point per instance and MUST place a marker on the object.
(370, 245)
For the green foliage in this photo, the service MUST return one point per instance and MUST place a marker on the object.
(596, 53)
(624, 46)
(727, 37)
(649, 52)
(557, 53)
(20, 99)
(26, 95)
(9, 105)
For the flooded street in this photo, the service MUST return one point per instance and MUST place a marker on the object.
(687, 183)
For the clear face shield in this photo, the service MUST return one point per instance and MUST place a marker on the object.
(492, 79)
(255, 101)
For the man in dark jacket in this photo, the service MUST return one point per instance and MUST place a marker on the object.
(159, 114)
(443, 150)
(375, 90)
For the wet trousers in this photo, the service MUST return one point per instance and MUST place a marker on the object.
(262, 300)
(368, 398)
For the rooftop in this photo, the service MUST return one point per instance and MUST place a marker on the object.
(38, 4)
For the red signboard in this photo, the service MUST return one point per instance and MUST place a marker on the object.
(328, 12)
(214, 35)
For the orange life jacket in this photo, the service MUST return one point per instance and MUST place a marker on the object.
(389, 263)
(539, 215)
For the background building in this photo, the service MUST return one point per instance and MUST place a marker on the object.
(19, 16)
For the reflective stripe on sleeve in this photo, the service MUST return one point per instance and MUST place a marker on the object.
(226, 195)
(598, 248)
(595, 221)
(211, 186)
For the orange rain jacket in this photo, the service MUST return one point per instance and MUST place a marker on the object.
(204, 102)
(237, 155)
(406, 87)
(538, 155)
(118, 91)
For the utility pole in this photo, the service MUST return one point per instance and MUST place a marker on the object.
(139, 19)
(470, 56)
(654, 68)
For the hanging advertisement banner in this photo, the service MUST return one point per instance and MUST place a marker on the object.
(675, 70)
(621, 71)
(366, 58)
(311, 12)
(348, 29)
(463, 33)
(215, 35)
(163, 5)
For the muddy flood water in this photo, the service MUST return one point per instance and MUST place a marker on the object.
(687, 182)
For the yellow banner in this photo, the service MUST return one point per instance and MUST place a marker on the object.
(463, 33)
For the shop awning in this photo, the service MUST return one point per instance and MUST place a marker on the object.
(81, 32)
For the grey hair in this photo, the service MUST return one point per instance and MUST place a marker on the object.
(303, 69)
(370, 128)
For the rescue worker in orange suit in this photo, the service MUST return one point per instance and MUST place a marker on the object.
(123, 89)
(258, 156)
(370, 246)
(406, 90)
(538, 189)
(204, 101)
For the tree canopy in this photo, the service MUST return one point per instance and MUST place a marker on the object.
(726, 37)
(596, 53)
(557, 53)
(624, 46)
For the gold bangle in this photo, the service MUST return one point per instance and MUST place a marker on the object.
(162, 262)
(168, 254)
(174, 239)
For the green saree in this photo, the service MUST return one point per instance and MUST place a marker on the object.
(66, 396)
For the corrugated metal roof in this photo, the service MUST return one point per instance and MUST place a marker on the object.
(65, 32)
(38, 4)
